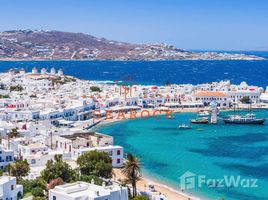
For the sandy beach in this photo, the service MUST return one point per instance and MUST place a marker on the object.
(149, 112)
(170, 193)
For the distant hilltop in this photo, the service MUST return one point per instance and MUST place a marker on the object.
(58, 45)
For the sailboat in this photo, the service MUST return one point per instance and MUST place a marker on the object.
(249, 118)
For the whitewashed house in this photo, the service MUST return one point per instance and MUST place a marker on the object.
(115, 152)
(32, 149)
(206, 97)
(9, 190)
(6, 157)
(80, 143)
(89, 191)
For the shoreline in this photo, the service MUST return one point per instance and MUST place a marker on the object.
(258, 58)
(152, 114)
(168, 191)
(174, 110)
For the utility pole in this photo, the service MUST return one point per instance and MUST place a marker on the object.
(51, 139)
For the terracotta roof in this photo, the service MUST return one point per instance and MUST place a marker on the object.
(210, 94)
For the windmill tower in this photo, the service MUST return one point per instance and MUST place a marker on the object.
(34, 70)
(52, 71)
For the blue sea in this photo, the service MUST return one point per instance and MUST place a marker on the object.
(210, 151)
(158, 72)
(167, 152)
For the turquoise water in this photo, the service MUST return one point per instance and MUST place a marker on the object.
(166, 152)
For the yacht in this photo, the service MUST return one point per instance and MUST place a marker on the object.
(202, 120)
(203, 113)
(185, 126)
(247, 119)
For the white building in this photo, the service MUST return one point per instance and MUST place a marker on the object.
(115, 152)
(253, 94)
(13, 143)
(206, 97)
(80, 143)
(40, 159)
(32, 149)
(6, 157)
(9, 190)
(82, 139)
(88, 191)
(264, 98)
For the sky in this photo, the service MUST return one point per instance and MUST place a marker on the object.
(188, 24)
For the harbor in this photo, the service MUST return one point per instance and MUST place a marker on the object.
(222, 148)
(49, 118)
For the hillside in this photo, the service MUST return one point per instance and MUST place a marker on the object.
(57, 45)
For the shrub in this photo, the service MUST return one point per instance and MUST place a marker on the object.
(37, 192)
(95, 89)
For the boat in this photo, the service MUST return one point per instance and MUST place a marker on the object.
(171, 117)
(203, 113)
(202, 120)
(185, 126)
(249, 118)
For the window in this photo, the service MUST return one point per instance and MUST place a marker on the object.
(118, 161)
(118, 152)
(12, 187)
(54, 198)
(110, 153)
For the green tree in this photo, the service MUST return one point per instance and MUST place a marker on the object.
(4, 96)
(245, 100)
(95, 163)
(39, 198)
(132, 171)
(88, 178)
(28, 185)
(38, 192)
(95, 89)
(58, 169)
(19, 169)
(140, 198)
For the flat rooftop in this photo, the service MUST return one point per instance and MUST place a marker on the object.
(84, 135)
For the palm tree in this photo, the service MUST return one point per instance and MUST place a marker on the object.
(132, 171)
